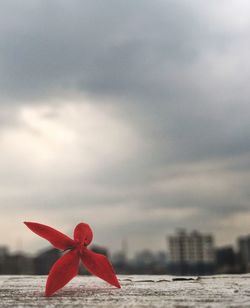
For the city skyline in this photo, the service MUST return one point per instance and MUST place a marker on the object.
(188, 253)
(124, 247)
(131, 116)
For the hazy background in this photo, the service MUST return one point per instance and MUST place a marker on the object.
(133, 116)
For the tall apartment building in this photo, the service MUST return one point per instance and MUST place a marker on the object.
(191, 252)
(191, 248)
(244, 251)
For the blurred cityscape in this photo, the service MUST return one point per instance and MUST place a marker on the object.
(186, 253)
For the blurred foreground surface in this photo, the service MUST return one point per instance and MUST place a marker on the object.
(137, 291)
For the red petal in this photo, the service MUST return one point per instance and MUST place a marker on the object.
(83, 234)
(56, 238)
(100, 266)
(62, 272)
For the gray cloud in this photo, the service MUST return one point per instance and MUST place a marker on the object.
(173, 73)
(114, 47)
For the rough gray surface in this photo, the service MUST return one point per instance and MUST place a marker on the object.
(136, 291)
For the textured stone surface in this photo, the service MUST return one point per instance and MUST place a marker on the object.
(137, 291)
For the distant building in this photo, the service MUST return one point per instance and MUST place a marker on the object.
(119, 257)
(15, 264)
(145, 257)
(4, 253)
(191, 248)
(191, 253)
(120, 262)
(19, 264)
(148, 262)
(244, 252)
(226, 260)
(44, 261)
(160, 263)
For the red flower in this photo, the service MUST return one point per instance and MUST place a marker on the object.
(66, 267)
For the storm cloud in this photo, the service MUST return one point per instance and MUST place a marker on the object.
(131, 115)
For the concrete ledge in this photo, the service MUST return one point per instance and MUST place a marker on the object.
(137, 291)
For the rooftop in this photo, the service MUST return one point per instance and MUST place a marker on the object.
(136, 291)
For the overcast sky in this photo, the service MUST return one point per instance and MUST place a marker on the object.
(132, 116)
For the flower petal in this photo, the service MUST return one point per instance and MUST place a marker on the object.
(62, 272)
(100, 266)
(56, 238)
(83, 234)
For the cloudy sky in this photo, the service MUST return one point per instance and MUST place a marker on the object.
(130, 115)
